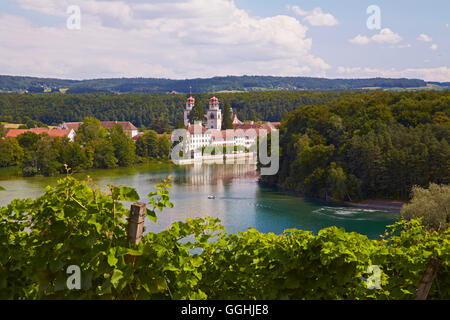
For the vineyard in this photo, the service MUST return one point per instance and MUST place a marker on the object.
(77, 224)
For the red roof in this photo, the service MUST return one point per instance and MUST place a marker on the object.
(190, 100)
(223, 134)
(126, 125)
(51, 132)
(72, 125)
(196, 129)
(214, 100)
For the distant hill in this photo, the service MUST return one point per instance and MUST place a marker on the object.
(216, 84)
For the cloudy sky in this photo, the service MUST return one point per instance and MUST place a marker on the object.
(202, 38)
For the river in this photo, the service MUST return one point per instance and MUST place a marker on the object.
(240, 201)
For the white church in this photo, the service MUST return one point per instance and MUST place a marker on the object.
(209, 131)
(213, 118)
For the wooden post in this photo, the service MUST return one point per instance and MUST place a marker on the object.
(427, 279)
(135, 227)
(136, 222)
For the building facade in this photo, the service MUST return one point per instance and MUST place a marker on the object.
(209, 132)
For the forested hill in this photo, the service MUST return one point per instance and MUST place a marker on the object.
(216, 84)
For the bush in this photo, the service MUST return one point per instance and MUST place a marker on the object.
(432, 205)
(29, 171)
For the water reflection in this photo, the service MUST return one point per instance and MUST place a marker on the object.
(240, 202)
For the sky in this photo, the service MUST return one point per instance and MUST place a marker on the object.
(180, 39)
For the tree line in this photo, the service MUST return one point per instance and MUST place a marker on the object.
(366, 147)
(161, 112)
(93, 147)
(229, 83)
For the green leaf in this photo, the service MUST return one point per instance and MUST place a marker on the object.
(112, 260)
(151, 215)
(126, 194)
(116, 277)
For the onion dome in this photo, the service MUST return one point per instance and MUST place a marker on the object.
(214, 100)
(190, 100)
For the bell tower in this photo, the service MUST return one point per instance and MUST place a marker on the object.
(214, 115)
(190, 103)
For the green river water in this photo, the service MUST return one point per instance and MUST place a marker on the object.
(240, 201)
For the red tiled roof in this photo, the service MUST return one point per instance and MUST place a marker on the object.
(252, 132)
(72, 125)
(196, 129)
(51, 132)
(126, 125)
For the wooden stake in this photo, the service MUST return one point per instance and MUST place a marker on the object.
(427, 279)
(136, 222)
(135, 227)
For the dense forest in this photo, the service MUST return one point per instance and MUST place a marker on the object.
(156, 110)
(94, 147)
(366, 146)
(230, 83)
(146, 109)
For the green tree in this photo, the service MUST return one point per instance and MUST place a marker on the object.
(77, 158)
(90, 130)
(197, 113)
(124, 147)
(47, 157)
(227, 123)
(337, 182)
(11, 153)
(149, 145)
(164, 146)
(28, 140)
(431, 204)
(103, 156)
(180, 124)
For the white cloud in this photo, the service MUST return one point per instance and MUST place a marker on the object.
(176, 39)
(297, 10)
(434, 47)
(359, 39)
(384, 36)
(316, 17)
(424, 37)
(387, 36)
(427, 74)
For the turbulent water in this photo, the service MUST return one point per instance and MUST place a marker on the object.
(240, 202)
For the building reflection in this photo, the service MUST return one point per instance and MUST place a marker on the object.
(200, 174)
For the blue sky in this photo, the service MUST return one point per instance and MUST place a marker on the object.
(202, 38)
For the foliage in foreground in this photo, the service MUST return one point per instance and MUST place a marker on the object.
(75, 223)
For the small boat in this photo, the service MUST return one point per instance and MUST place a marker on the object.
(211, 197)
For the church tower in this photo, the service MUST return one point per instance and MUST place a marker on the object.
(190, 103)
(214, 115)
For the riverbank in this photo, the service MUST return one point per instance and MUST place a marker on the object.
(393, 206)
(13, 173)
(383, 205)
